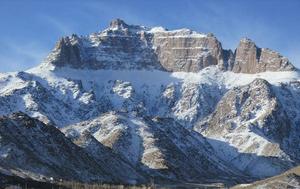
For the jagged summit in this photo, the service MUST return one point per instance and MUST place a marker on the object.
(118, 23)
(123, 46)
(247, 40)
(120, 27)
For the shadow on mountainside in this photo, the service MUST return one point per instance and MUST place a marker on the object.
(250, 164)
(190, 165)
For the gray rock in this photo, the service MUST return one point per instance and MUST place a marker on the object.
(251, 59)
(67, 52)
(187, 52)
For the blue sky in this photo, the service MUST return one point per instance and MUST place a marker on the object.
(29, 29)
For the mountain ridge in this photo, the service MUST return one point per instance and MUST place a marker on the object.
(139, 47)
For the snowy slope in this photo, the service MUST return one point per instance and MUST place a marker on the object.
(188, 98)
(125, 90)
(159, 147)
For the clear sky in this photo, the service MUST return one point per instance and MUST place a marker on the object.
(29, 29)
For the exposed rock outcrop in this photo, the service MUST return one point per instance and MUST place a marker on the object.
(251, 59)
(187, 51)
(67, 52)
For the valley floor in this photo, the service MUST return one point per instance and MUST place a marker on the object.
(289, 179)
(11, 182)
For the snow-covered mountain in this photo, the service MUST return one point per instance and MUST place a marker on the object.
(137, 103)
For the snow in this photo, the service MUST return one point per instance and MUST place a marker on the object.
(179, 33)
(123, 89)
(210, 75)
(122, 85)
(230, 79)
(10, 82)
(275, 78)
(234, 148)
(157, 29)
(246, 40)
(4, 151)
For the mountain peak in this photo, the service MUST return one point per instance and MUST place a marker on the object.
(118, 23)
(246, 40)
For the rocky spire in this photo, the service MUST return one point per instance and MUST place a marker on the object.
(66, 52)
(251, 59)
(246, 56)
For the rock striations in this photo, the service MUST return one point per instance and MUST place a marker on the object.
(131, 104)
(251, 59)
(123, 46)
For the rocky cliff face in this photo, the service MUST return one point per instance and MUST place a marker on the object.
(187, 51)
(123, 46)
(120, 46)
(251, 59)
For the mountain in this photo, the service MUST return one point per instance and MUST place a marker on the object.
(252, 119)
(131, 104)
(160, 147)
(288, 179)
(29, 148)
